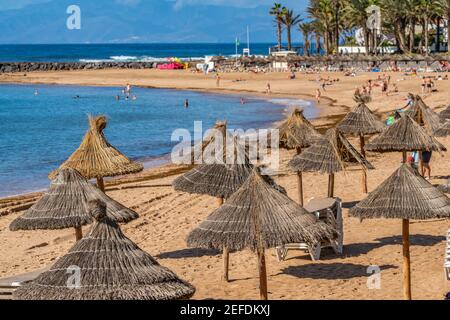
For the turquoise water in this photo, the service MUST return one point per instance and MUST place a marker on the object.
(38, 132)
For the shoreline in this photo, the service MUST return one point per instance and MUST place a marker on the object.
(167, 216)
(329, 110)
(161, 162)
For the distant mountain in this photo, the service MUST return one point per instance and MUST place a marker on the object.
(147, 21)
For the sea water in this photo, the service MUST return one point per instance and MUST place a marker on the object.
(41, 125)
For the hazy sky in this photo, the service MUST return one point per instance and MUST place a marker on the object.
(103, 21)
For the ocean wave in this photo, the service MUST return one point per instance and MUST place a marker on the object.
(292, 102)
(123, 58)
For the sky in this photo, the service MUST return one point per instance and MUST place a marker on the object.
(125, 21)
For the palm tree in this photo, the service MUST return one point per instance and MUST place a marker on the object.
(356, 16)
(445, 9)
(428, 9)
(289, 20)
(306, 28)
(337, 6)
(277, 12)
(395, 20)
(321, 11)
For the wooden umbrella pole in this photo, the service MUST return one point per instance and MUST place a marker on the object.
(101, 183)
(225, 254)
(362, 143)
(262, 274)
(300, 187)
(226, 262)
(405, 157)
(406, 261)
(421, 163)
(300, 182)
(78, 233)
(364, 173)
(331, 185)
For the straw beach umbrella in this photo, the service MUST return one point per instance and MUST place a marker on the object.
(445, 114)
(216, 178)
(65, 205)
(361, 122)
(109, 267)
(298, 133)
(404, 195)
(330, 154)
(258, 217)
(96, 158)
(424, 116)
(403, 136)
(444, 130)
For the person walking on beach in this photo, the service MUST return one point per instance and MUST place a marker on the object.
(318, 95)
(385, 88)
(426, 168)
(268, 89)
(217, 80)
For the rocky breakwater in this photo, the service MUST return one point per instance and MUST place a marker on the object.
(13, 67)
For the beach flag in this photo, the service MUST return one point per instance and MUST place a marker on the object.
(238, 43)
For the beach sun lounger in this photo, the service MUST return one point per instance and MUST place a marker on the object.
(10, 284)
(447, 257)
(328, 210)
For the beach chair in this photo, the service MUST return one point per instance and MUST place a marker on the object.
(328, 210)
(10, 284)
(447, 257)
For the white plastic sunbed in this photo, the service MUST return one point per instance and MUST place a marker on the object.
(447, 257)
(10, 284)
(328, 210)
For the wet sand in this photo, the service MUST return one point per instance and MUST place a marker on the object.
(167, 216)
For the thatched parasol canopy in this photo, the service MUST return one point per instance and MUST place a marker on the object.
(330, 154)
(111, 267)
(65, 205)
(424, 116)
(444, 130)
(258, 215)
(96, 158)
(225, 170)
(445, 114)
(404, 135)
(404, 195)
(297, 132)
(216, 180)
(361, 121)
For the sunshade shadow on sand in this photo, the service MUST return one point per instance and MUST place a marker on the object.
(189, 253)
(357, 249)
(331, 271)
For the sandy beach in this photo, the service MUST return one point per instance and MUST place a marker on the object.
(167, 216)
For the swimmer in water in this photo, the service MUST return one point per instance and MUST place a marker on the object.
(186, 103)
(117, 97)
(242, 101)
(36, 93)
